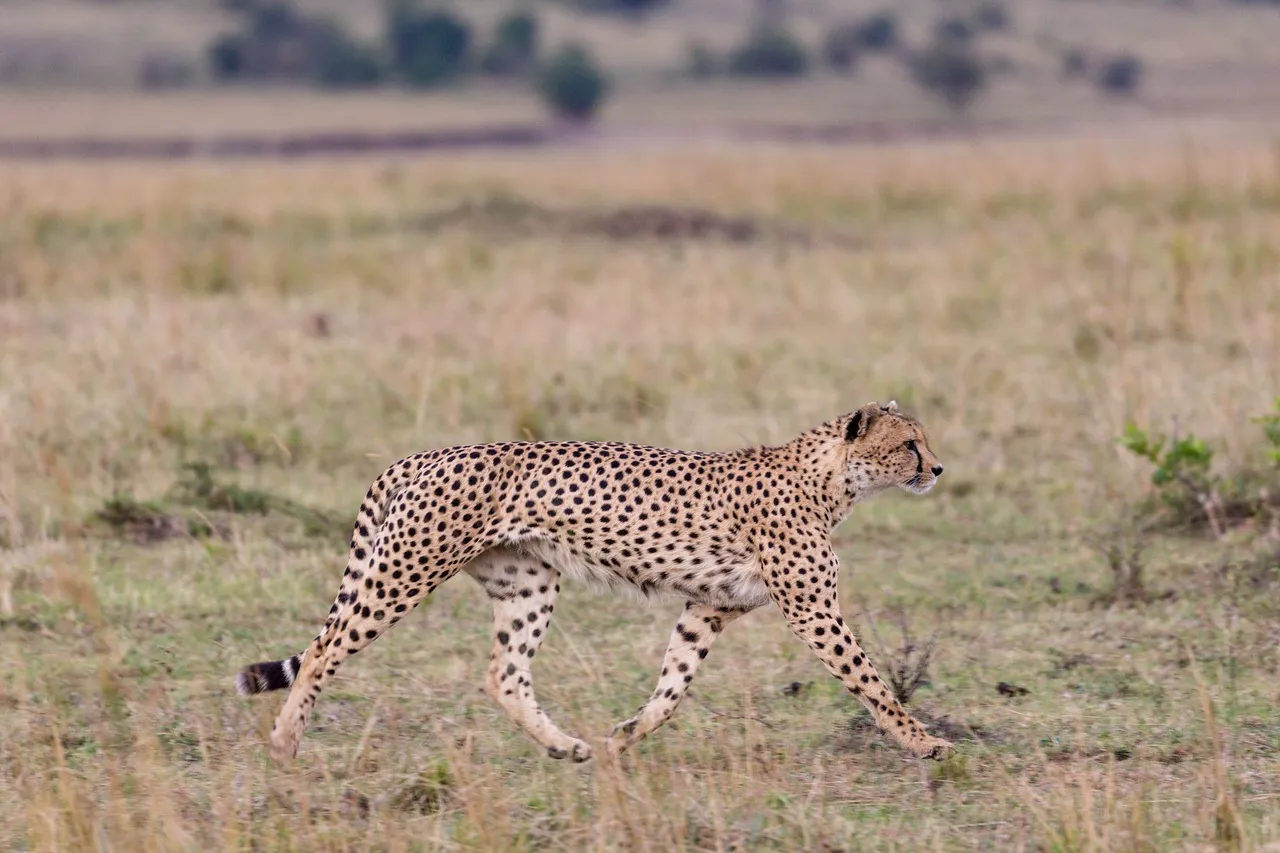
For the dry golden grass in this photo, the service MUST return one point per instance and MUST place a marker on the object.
(302, 326)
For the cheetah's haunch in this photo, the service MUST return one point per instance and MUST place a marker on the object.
(727, 532)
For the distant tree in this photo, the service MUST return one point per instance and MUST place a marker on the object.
(1074, 63)
(163, 71)
(1121, 75)
(878, 32)
(277, 41)
(428, 47)
(953, 29)
(240, 7)
(953, 72)
(228, 57)
(701, 61)
(572, 83)
(1000, 64)
(841, 46)
(625, 8)
(638, 6)
(276, 19)
(769, 50)
(338, 61)
(992, 15)
(514, 47)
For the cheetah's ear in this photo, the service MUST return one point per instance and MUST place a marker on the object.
(861, 422)
(892, 407)
(854, 429)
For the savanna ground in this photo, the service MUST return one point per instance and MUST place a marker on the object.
(296, 328)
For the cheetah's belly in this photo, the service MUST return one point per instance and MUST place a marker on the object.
(730, 577)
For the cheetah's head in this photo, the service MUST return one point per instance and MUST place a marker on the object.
(886, 448)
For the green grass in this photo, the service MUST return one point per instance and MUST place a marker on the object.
(1017, 298)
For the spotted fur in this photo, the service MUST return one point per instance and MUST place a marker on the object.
(725, 532)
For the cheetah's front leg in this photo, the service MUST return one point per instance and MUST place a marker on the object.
(807, 596)
(691, 639)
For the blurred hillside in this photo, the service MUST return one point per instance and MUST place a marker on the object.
(116, 67)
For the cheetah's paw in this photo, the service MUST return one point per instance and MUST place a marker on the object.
(579, 751)
(935, 748)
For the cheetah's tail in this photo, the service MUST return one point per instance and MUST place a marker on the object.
(268, 675)
(279, 674)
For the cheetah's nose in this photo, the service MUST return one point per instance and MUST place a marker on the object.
(937, 470)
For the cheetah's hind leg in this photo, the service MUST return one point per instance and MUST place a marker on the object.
(403, 569)
(523, 590)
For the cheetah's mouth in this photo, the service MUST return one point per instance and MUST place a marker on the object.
(919, 483)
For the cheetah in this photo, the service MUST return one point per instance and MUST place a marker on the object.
(726, 532)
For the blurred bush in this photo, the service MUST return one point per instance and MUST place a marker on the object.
(339, 61)
(278, 42)
(513, 49)
(951, 71)
(164, 71)
(428, 47)
(878, 32)
(841, 47)
(1120, 75)
(1074, 63)
(700, 61)
(626, 8)
(770, 49)
(954, 29)
(572, 84)
(992, 15)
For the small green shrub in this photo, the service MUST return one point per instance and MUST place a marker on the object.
(769, 50)
(199, 487)
(1191, 495)
(144, 522)
(1122, 544)
(572, 84)
(1271, 433)
(1184, 461)
(906, 668)
(428, 792)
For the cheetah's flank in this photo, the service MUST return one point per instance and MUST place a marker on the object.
(726, 532)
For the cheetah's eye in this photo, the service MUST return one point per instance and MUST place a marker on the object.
(911, 445)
